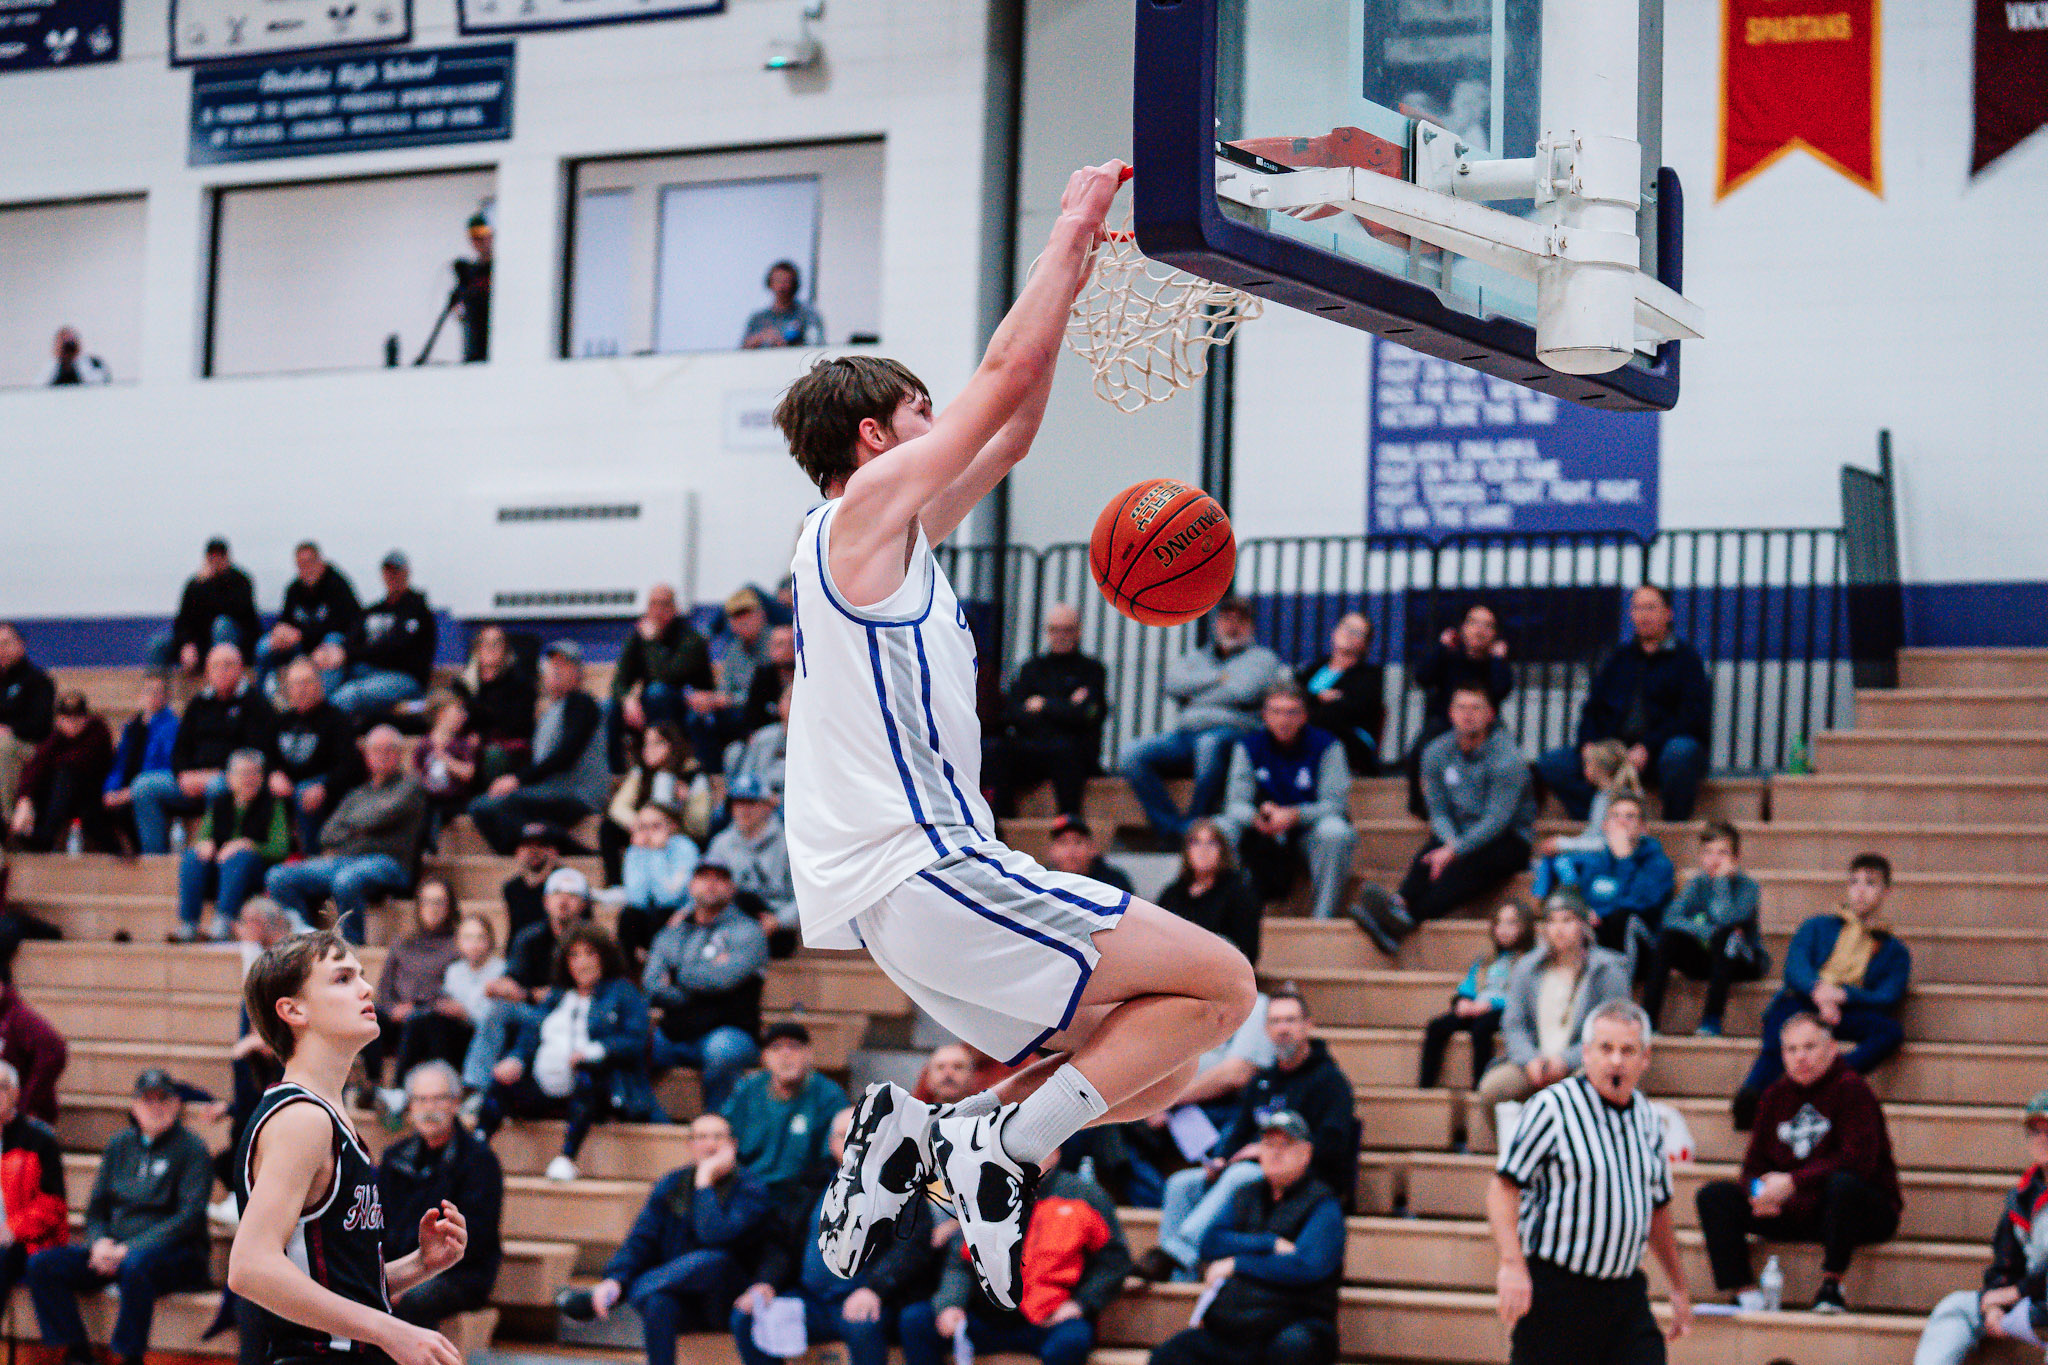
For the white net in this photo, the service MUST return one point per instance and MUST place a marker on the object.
(1146, 329)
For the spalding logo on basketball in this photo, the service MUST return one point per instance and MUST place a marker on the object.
(1162, 552)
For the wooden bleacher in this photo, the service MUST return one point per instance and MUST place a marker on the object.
(1948, 776)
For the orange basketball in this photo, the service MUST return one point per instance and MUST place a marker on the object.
(1162, 552)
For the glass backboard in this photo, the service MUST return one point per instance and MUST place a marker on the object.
(1387, 85)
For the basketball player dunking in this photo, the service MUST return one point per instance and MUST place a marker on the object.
(309, 1253)
(891, 844)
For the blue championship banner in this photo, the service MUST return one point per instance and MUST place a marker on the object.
(512, 16)
(1454, 452)
(39, 35)
(256, 111)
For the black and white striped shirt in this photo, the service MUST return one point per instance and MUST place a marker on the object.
(1591, 1175)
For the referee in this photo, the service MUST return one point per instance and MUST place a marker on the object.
(1579, 1191)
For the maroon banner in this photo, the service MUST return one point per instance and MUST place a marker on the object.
(1799, 75)
(2012, 76)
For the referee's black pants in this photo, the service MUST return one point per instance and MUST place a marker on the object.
(1577, 1320)
(1852, 1212)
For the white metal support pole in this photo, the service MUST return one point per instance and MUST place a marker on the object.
(1585, 310)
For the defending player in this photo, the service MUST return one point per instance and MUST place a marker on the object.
(310, 1249)
(891, 845)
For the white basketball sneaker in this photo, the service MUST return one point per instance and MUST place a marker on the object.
(991, 1195)
(882, 1172)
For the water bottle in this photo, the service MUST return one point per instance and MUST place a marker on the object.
(1772, 1283)
(1800, 761)
(74, 842)
(177, 836)
(1088, 1169)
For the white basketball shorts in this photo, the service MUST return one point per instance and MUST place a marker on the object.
(993, 946)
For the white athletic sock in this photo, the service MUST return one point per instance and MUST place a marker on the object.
(1057, 1110)
(977, 1104)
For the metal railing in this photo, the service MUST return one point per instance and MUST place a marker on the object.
(1768, 610)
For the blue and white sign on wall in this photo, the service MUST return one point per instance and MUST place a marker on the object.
(254, 111)
(39, 35)
(1452, 451)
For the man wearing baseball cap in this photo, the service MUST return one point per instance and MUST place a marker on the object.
(566, 775)
(704, 975)
(753, 848)
(391, 649)
(1072, 848)
(515, 998)
(781, 1115)
(2014, 1300)
(1275, 1261)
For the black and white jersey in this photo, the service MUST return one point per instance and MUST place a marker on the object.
(339, 1242)
(1591, 1175)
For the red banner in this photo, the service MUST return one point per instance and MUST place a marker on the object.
(2012, 76)
(1799, 74)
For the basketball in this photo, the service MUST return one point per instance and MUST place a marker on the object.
(1162, 552)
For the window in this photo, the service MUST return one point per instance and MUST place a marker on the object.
(75, 265)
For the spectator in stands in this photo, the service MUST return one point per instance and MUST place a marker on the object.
(662, 664)
(464, 985)
(218, 607)
(500, 697)
(390, 654)
(769, 683)
(657, 875)
(1275, 1260)
(1481, 812)
(753, 849)
(472, 292)
(1819, 1169)
(565, 778)
(370, 846)
(683, 1263)
(782, 1114)
(145, 1229)
(1477, 1004)
(1077, 1269)
(1304, 1078)
(539, 853)
(516, 994)
(1710, 932)
(1653, 695)
(1347, 695)
(441, 1160)
(63, 779)
(320, 608)
(585, 1059)
(445, 765)
(1071, 847)
(317, 762)
(1850, 970)
(764, 754)
(1625, 881)
(2014, 1299)
(243, 834)
(408, 986)
(1051, 729)
(1610, 774)
(1551, 994)
(145, 747)
(1212, 891)
(37, 1052)
(28, 701)
(704, 973)
(667, 772)
(788, 321)
(740, 649)
(860, 1312)
(1469, 654)
(1287, 802)
(1219, 689)
(229, 714)
(73, 365)
(32, 1197)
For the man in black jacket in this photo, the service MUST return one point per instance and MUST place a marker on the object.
(664, 661)
(442, 1160)
(317, 762)
(1304, 1078)
(28, 701)
(390, 654)
(320, 607)
(565, 776)
(230, 714)
(1052, 721)
(218, 607)
(1653, 695)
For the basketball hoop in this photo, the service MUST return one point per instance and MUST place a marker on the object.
(1146, 329)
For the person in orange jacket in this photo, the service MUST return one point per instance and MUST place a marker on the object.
(31, 1184)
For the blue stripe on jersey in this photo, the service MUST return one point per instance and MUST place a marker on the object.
(1073, 1001)
(931, 729)
(846, 608)
(1123, 900)
(895, 744)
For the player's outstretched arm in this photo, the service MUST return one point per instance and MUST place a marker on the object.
(885, 495)
(290, 1154)
(1001, 455)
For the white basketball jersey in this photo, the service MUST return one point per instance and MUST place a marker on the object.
(884, 766)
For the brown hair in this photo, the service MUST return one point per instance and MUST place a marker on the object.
(1226, 862)
(280, 973)
(820, 415)
(455, 915)
(1721, 832)
(1525, 924)
(490, 929)
(610, 961)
